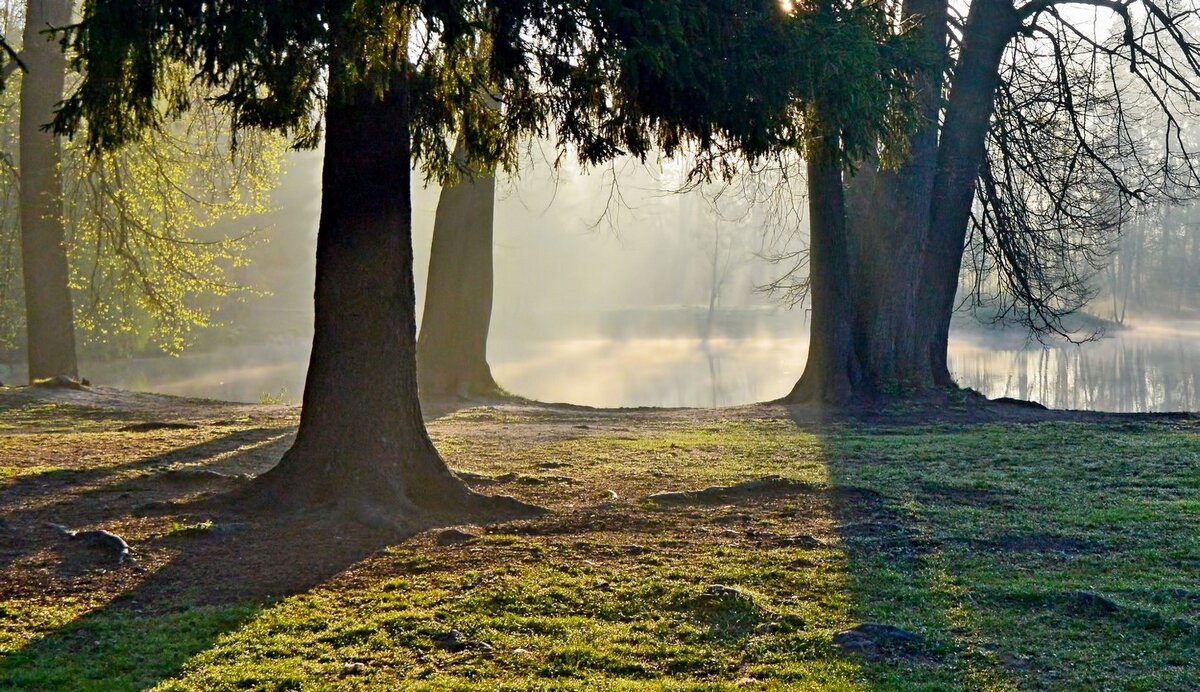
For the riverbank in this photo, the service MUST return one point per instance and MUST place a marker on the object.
(1013, 549)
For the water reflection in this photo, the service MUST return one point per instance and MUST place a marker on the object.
(651, 372)
(1136, 370)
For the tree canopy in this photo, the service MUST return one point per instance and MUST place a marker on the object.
(388, 83)
(603, 76)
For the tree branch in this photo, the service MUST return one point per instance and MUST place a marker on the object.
(14, 62)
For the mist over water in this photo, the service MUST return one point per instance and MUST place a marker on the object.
(630, 295)
(1138, 370)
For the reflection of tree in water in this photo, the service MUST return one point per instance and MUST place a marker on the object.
(1124, 373)
(714, 373)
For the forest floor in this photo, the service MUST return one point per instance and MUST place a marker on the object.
(1013, 548)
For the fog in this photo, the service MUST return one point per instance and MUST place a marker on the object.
(603, 282)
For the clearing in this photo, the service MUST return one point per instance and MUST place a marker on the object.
(1019, 549)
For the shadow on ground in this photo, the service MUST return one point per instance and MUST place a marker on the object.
(1011, 561)
(216, 580)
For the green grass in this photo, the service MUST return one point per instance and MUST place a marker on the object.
(983, 539)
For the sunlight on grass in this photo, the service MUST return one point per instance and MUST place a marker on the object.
(108, 651)
(672, 602)
(1050, 555)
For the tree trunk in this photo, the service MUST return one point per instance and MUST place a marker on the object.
(990, 26)
(49, 318)
(452, 348)
(831, 372)
(362, 446)
(889, 215)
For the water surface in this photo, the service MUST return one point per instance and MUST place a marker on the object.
(1139, 369)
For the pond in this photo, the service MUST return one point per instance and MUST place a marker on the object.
(1139, 369)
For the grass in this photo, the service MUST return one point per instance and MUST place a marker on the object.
(1053, 555)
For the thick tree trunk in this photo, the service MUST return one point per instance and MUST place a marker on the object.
(990, 26)
(452, 348)
(889, 215)
(362, 445)
(48, 313)
(831, 372)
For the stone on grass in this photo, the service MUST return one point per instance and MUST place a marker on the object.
(452, 641)
(870, 638)
(455, 536)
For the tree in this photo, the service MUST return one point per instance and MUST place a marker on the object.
(48, 311)
(1010, 156)
(402, 78)
(452, 346)
(142, 229)
(832, 368)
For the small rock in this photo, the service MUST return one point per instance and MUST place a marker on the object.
(1091, 603)
(888, 633)
(869, 638)
(520, 652)
(852, 642)
(354, 668)
(455, 536)
(452, 641)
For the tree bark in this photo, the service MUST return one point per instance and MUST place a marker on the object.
(883, 235)
(362, 446)
(452, 348)
(889, 217)
(831, 372)
(49, 318)
(990, 26)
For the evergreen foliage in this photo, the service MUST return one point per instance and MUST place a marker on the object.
(605, 77)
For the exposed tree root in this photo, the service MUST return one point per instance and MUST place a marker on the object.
(824, 389)
(374, 499)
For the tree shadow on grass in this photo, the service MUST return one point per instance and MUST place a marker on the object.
(55, 496)
(216, 580)
(998, 577)
(31, 486)
(895, 575)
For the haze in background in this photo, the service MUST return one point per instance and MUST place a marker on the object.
(630, 294)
